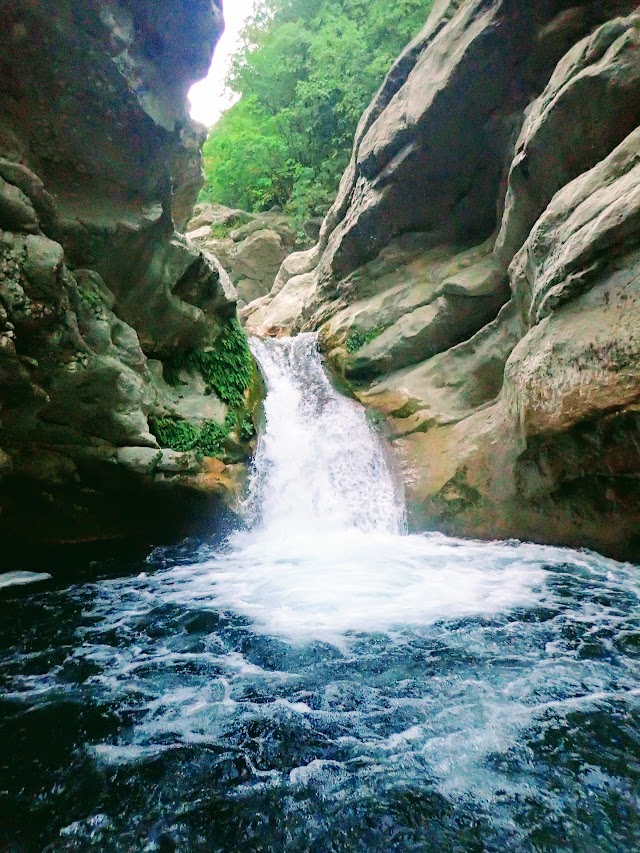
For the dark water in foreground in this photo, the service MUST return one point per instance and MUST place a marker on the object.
(221, 702)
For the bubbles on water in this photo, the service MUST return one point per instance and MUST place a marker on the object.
(350, 581)
(475, 696)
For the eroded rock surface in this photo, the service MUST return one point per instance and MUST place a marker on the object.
(99, 170)
(250, 246)
(477, 278)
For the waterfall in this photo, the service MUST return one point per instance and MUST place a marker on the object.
(319, 465)
(325, 549)
(323, 681)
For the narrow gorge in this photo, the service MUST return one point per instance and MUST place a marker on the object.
(477, 277)
(320, 534)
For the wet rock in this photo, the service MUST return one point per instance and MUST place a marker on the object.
(100, 166)
(16, 211)
(252, 252)
(8, 579)
(43, 263)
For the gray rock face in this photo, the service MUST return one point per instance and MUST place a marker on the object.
(598, 80)
(250, 246)
(100, 166)
(586, 225)
(480, 265)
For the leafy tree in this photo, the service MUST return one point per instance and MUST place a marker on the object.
(305, 73)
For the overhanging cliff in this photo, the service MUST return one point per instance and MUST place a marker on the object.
(99, 169)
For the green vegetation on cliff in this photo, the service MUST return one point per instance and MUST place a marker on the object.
(305, 74)
(357, 340)
(227, 368)
(176, 434)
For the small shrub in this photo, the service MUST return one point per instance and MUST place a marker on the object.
(357, 340)
(227, 370)
(175, 434)
(247, 428)
(221, 230)
(212, 438)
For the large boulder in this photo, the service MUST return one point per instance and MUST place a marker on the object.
(250, 246)
(598, 81)
(211, 216)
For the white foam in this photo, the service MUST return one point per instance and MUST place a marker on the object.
(21, 578)
(325, 554)
(351, 581)
(319, 466)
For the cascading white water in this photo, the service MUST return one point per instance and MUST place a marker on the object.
(324, 553)
(319, 466)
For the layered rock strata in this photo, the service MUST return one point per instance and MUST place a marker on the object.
(99, 170)
(478, 276)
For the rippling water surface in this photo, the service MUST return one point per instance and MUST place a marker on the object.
(322, 682)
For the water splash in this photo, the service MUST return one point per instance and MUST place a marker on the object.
(319, 466)
(325, 683)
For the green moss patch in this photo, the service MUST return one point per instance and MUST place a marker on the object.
(228, 371)
(221, 230)
(208, 440)
(176, 434)
(92, 300)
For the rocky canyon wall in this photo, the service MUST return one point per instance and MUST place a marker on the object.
(99, 170)
(478, 277)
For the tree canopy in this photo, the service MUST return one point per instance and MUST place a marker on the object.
(305, 73)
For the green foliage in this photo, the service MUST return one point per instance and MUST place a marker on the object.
(92, 299)
(227, 368)
(247, 428)
(212, 438)
(246, 160)
(357, 340)
(175, 434)
(221, 230)
(305, 73)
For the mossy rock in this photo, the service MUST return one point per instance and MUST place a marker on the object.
(227, 367)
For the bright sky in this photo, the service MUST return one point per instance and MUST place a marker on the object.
(209, 98)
